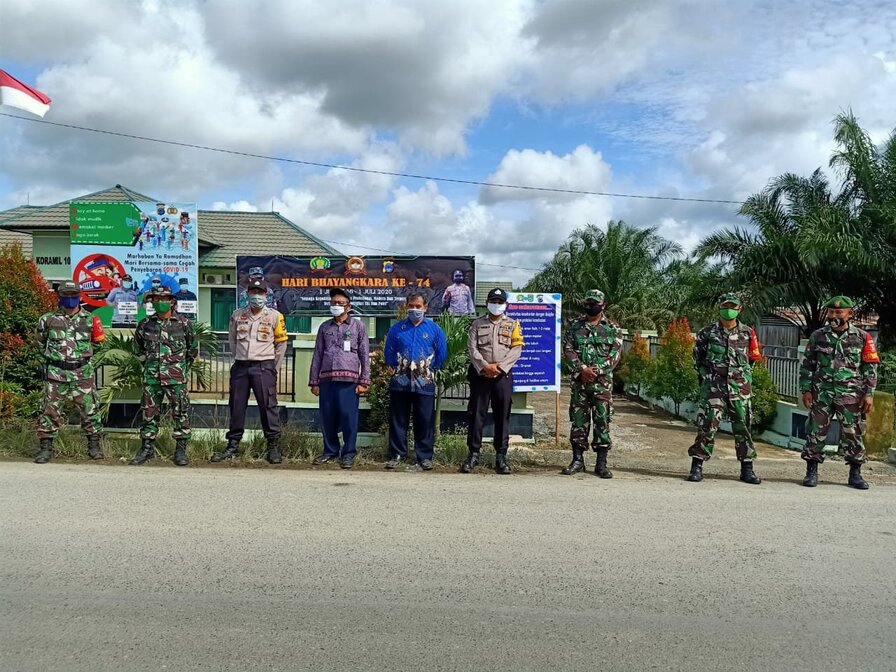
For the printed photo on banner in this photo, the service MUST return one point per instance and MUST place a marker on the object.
(120, 251)
(539, 314)
(378, 285)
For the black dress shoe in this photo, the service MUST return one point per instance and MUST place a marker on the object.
(501, 466)
(324, 459)
(347, 463)
(394, 462)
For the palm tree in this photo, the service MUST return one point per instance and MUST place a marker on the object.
(625, 262)
(454, 371)
(772, 262)
(868, 242)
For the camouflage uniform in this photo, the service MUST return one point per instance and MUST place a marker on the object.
(724, 362)
(67, 343)
(840, 370)
(599, 346)
(167, 349)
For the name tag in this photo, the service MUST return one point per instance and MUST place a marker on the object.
(347, 346)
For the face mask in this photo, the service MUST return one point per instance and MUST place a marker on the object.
(593, 310)
(127, 284)
(257, 300)
(336, 311)
(69, 302)
(416, 314)
(497, 308)
(729, 313)
(161, 306)
(835, 322)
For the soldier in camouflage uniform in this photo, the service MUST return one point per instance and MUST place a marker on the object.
(67, 338)
(724, 354)
(592, 346)
(838, 376)
(166, 344)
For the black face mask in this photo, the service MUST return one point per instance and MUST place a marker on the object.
(835, 322)
(593, 310)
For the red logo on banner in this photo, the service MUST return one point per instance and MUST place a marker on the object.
(95, 275)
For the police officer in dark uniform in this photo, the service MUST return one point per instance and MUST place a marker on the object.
(258, 344)
(495, 343)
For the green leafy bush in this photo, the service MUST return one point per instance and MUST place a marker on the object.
(634, 369)
(765, 398)
(672, 373)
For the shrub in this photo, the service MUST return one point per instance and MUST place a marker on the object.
(635, 366)
(378, 392)
(672, 373)
(765, 398)
(24, 297)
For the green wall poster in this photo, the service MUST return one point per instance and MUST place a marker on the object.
(119, 249)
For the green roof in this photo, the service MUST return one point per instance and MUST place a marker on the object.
(9, 237)
(56, 216)
(223, 235)
(254, 233)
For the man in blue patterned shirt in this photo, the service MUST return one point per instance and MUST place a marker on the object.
(415, 349)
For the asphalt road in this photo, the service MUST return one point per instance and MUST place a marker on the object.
(116, 568)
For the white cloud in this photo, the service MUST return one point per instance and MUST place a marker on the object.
(583, 169)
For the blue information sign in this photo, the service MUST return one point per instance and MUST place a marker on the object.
(538, 369)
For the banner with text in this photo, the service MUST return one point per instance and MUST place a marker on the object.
(117, 249)
(538, 369)
(377, 285)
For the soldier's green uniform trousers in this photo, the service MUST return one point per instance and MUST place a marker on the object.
(81, 393)
(827, 406)
(709, 418)
(178, 398)
(588, 405)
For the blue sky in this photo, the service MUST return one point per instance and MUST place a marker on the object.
(662, 97)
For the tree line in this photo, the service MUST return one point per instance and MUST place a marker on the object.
(803, 240)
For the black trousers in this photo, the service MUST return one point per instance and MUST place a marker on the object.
(261, 379)
(484, 391)
(423, 407)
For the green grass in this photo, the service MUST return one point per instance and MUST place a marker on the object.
(299, 446)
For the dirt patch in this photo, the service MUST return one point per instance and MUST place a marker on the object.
(650, 441)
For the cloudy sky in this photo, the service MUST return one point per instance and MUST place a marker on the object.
(694, 98)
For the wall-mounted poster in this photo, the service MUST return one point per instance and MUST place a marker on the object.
(120, 250)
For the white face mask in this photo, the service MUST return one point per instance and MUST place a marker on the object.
(497, 308)
(336, 311)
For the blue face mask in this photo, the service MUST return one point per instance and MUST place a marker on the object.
(69, 302)
(127, 284)
(257, 300)
(416, 314)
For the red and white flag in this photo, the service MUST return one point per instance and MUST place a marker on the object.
(16, 94)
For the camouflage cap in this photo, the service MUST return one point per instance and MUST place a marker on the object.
(840, 301)
(68, 288)
(595, 295)
(730, 297)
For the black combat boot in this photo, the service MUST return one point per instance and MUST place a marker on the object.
(274, 456)
(45, 454)
(180, 453)
(696, 474)
(147, 452)
(469, 464)
(577, 465)
(855, 477)
(600, 469)
(501, 466)
(747, 475)
(94, 452)
(232, 450)
(811, 479)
